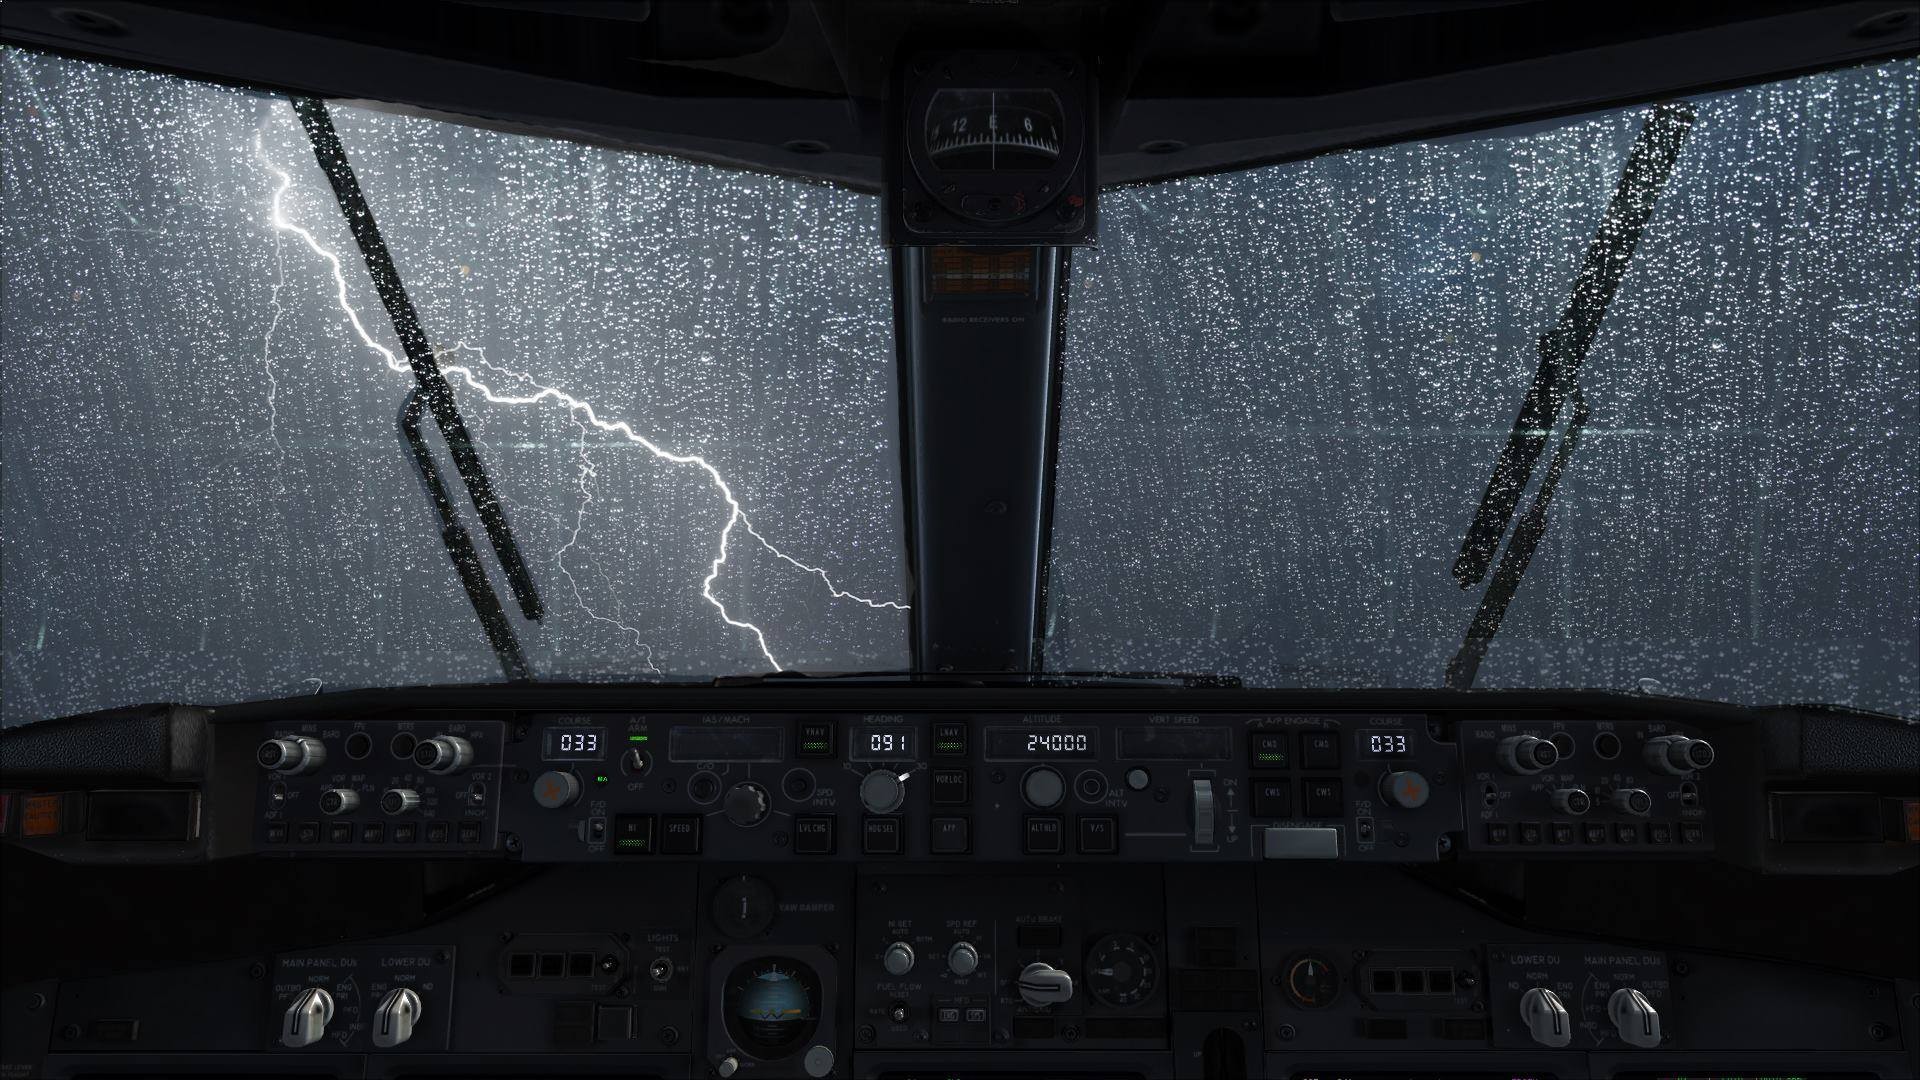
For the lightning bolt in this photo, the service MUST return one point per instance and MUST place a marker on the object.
(583, 413)
(587, 477)
(266, 350)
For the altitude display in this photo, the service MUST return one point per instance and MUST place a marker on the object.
(1015, 744)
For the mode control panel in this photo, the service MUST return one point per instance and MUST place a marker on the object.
(1615, 787)
(880, 787)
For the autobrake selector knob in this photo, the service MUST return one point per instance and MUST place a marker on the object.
(1678, 755)
(963, 959)
(882, 791)
(1546, 1017)
(1632, 800)
(339, 801)
(747, 804)
(898, 959)
(443, 754)
(307, 1018)
(295, 754)
(399, 800)
(1042, 985)
(394, 1018)
(1634, 1017)
(1407, 790)
(1524, 755)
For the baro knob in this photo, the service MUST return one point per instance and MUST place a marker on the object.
(443, 754)
(1524, 755)
(1678, 755)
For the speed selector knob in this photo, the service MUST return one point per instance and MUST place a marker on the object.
(307, 1018)
(394, 1018)
(1634, 1017)
(746, 804)
(882, 791)
(1407, 790)
(443, 754)
(295, 754)
(1678, 755)
(1042, 985)
(963, 959)
(898, 959)
(1546, 1017)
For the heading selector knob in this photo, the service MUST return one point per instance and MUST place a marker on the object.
(882, 791)
(395, 1016)
(898, 959)
(1546, 1017)
(1634, 1017)
(1524, 755)
(747, 804)
(307, 1018)
(1678, 755)
(1042, 985)
(443, 754)
(294, 754)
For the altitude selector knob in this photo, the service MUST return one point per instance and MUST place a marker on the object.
(747, 804)
(882, 791)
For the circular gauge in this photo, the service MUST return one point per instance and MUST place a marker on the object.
(1121, 972)
(743, 907)
(975, 130)
(771, 1005)
(996, 140)
(1312, 982)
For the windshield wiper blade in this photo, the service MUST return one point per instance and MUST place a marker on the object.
(433, 394)
(466, 561)
(1564, 348)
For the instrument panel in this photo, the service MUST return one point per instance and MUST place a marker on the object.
(995, 786)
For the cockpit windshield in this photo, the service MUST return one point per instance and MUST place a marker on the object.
(680, 378)
(1286, 387)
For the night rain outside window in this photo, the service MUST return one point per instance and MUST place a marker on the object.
(1285, 389)
(205, 496)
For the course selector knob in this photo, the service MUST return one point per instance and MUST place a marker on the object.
(394, 1018)
(307, 1018)
(882, 791)
(1407, 790)
(1042, 985)
(1546, 1017)
(556, 788)
(898, 959)
(1634, 1017)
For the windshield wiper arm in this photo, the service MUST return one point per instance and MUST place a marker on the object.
(432, 393)
(1564, 348)
(991, 678)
